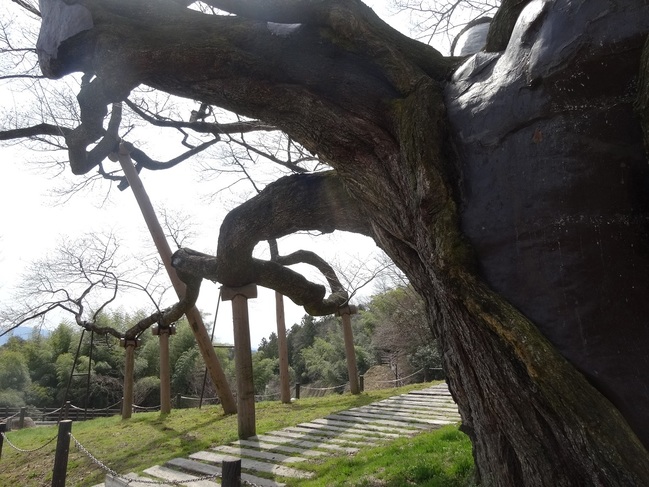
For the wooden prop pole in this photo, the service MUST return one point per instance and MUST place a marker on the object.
(193, 315)
(282, 345)
(243, 356)
(282, 348)
(163, 334)
(129, 367)
(345, 313)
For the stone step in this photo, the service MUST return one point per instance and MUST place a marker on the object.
(413, 415)
(173, 475)
(420, 403)
(428, 409)
(406, 420)
(262, 455)
(414, 428)
(428, 393)
(202, 469)
(331, 436)
(374, 428)
(130, 480)
(302, 439)
(253, 465)
(273, 447)
(377, 435)
(294, 440)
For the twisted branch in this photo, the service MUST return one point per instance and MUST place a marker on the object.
(315, 202)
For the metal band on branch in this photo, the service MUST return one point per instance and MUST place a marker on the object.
(134, 342)
(349, 309)
(157, 330)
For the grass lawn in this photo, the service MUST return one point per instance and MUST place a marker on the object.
(441, 458)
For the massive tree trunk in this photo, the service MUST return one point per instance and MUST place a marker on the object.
(508, 194)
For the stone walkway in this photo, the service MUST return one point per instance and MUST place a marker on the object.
(278, 454)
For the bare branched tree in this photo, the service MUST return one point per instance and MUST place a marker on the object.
(80, 280)
(439, 22)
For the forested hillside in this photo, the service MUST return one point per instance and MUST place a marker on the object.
(389, 329)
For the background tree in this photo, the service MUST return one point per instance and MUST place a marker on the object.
(401, 333)
(14, 378)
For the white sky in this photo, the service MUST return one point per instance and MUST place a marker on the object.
(31, 224)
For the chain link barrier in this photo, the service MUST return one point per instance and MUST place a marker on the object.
(399, 379)
(21, 450)
(129, 480)
(6, 420)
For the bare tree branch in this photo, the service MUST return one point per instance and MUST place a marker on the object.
(201, 126)
(28, 6)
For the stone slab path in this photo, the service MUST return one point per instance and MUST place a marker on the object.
(279, 454)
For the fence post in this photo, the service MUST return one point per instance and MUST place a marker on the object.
(297, 390)
(3, 429)
(61, 457)
(66, 410)
(362, 382)
(178, 401)
(231, 473)
(21, 420)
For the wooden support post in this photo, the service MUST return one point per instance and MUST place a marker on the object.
(66, 410)
(231, 472)
(362, 382)
(129, 368)
(345, 313)
(297, 390)
(62, 451)
(282, 346)
(163, 334)
(243, 356)
(3, 430)
(193, 315)
(179, 401)
(21, 419)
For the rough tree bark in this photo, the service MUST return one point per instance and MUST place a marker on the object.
(494, 189)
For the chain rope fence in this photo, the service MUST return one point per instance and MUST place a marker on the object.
(400, 379)
(141, 480)
(23, 450)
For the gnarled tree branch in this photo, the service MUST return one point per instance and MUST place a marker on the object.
(316, 202)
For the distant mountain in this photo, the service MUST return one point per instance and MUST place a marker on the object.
(21, 331)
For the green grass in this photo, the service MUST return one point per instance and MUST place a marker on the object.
(438, 459)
